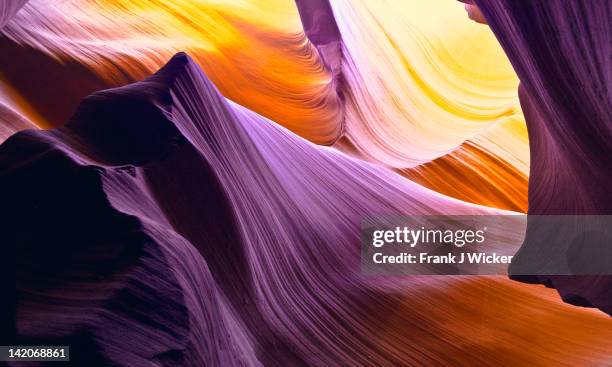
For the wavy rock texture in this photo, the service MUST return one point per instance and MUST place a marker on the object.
(427, 101)
(400, 83)
(254, 51)
(171, 223)
(177, 227)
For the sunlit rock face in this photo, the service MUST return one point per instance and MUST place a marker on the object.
(401, 83)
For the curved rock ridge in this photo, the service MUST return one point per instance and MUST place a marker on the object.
(166, 225)
(103, 271)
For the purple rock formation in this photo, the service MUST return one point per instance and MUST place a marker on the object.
(164, 224)
(562, 53)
